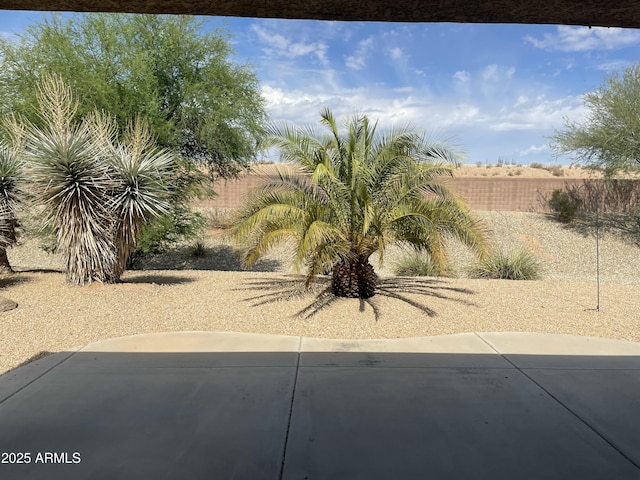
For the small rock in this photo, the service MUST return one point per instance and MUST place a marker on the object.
(7, 304)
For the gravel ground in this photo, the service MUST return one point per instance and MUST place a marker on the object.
(180, 292)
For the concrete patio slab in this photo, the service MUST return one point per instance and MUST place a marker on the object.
(536, 350)
(206, 349)
(13, 381)
(197, 342)
(150, 423)
(203, 405)
(439, 423)
(607, 400)
(461, 350)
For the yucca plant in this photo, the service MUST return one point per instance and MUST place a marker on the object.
(140, 170)
(357, 191)
(519, 264)
(12, 195)
(70, 179)
(95, 191)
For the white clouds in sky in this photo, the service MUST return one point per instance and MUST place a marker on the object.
(506, 106)
(278, 45)
(534, 150)
(396, 53)
(581, 39)
(358, 60)
(614, 65)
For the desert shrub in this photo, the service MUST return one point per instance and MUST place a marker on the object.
(518, 265)
(199, 249)
(557, 171)
(167, 231)
(537, 165)
(220, 218)
(564, 204)
(420, 265)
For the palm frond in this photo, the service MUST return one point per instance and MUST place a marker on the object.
(361, 189)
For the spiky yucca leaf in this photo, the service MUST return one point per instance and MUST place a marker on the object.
(96, 192)
(12, 196)
(140, 170)
(68, 171)
(71, 183)
(12, 177)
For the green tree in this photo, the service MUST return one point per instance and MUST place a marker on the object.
(609, 135)
(197, 101)
(359, 192)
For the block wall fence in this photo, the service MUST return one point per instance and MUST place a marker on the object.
(507, 194)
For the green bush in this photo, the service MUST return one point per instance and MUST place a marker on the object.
(518, 265)
(564, 204)
(199, 249)
(164, 232)
(417, 265)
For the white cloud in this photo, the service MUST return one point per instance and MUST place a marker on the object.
(9, 36)
(544, 114)
(614, 65)
(462, 76)
(521, 100)
(279, 45)
(581, 39)
(462, 83)
(396, 53)
(533, 150)
(495, 80)
(485, 127)
(403, 89)
(358, 60)
(494, 73)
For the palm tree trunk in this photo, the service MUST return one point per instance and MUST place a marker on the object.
(354, 278)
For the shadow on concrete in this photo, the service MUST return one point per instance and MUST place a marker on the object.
(322, 415)
(288, 287)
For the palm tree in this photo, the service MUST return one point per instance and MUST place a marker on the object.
(357, 192)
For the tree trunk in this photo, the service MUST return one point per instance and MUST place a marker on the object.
(5, 266)
(354, 278)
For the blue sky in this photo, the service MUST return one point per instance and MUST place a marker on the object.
(498, 91)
